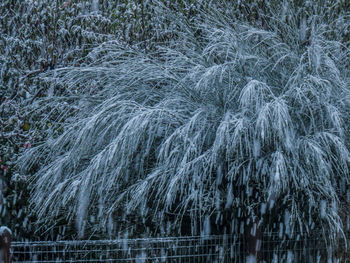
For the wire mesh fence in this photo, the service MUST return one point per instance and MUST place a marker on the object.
(221, 248)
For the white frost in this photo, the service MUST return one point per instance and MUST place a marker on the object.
(251, 259)
(3, 229)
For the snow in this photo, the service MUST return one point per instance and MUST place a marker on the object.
(290, 257)
(263, 208)
(251, 259)
(287, 221)
(323, 206)
(207, 227)
(141, 258)
(95, 5)
(4, 229)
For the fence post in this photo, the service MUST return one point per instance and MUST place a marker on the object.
(5, 245)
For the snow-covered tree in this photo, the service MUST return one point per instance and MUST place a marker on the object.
(235, 121)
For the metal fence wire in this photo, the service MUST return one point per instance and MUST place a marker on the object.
(220, 248)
